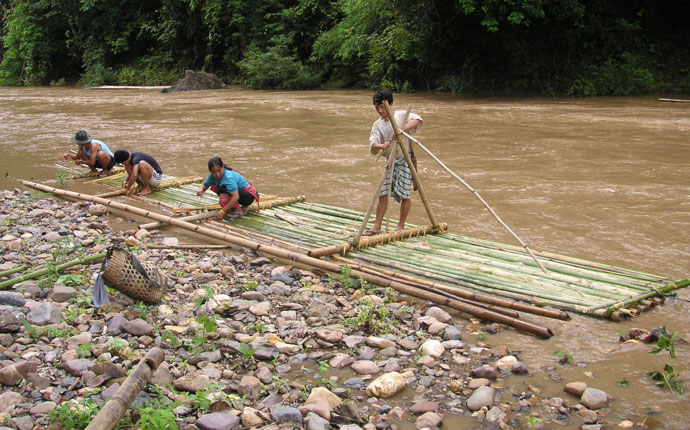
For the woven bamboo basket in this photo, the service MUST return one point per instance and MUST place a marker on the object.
(126, 274)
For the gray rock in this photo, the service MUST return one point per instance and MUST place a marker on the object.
(76, 367)
(137, 327)
(593, 398)
(61, 294)
(452, 333)
(439, 314)
(114, 324)
(217, 421)
(45, 313)
(286, 415)
(196, 81)
(315, 422)
(11, 299)
(482, 396)
(249, 386)
(11, 319)
(487, 372)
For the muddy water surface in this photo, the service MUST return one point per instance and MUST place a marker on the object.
(603, 179)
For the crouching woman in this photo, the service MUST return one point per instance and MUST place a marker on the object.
(234, 192)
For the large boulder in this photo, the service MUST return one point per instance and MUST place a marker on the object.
(195, 81)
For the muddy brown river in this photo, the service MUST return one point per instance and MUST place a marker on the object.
(604, 179)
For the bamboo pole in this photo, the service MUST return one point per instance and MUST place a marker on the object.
(46, 270)
(165, 184)
(115, 408)
(343, 248)
(476, 194)
(9, 272)
(303, 259)
(190, 246)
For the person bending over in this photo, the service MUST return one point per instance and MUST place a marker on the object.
(142, 169)
(234, 192)
(92, 153)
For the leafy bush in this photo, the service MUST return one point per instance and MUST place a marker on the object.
(615, 78)
(276, 68)
(154, 70)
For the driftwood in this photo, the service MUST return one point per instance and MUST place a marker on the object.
(116, 407)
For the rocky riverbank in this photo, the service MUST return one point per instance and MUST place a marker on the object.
(249, 343)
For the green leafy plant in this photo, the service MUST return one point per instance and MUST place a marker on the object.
(50, 332)
(623, 382)
(75, 414)
(115, 345)
(371, 318)
(256, 327)
(142, 308)
(323, 366)
(668, 377)
(171, 339)
(533, 422)
(60, 176)
(480, 336)
(84, 350)
(156, 417)
(249, 286)
(563, 357)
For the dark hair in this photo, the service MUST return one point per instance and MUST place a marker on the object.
(216, 162)
(380, 96)
(121, 156)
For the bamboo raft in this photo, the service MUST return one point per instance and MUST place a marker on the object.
(488, 279)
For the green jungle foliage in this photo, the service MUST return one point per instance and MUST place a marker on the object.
(557, 47)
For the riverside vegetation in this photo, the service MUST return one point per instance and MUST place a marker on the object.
(253, 344)
(561, 47)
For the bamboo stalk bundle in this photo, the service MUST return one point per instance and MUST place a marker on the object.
(189, 246)
(47, 270)
(121, 174)
(115, 408)
(166, 183)
(305, 260)
(368, 241)
(114, 172)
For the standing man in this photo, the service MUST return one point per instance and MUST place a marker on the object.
(382, 138)
(141, 168)
(92, 153)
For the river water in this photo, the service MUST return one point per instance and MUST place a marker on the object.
(605, 179)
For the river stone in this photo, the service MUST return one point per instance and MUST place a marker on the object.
(252, 417)
(587, 416)
(593, 398)
(475, 383)
(424, 406)
(575, 388)
(482, 396)
(43, 408)
(496, 415)
(15, 373)
(192, 383)
(80, 339)
(429, 420)
(77, 366)
(217, 421)
(379, 342)
(249, 386)
(287, 348)
(354, 383)
(353, 341)
(261, 309)
(11, 319)
(210, 356)
(44, 313)
(366, 353)
(137, 327)
(97, 209)
(331, 336)
(340, 360)
(452, 333)
(485, 371)
(62, 293)
(315, 422)
(506, 363)
(322, 394)
(439, 314)
(386, 385)
(11, 299)
(9, 399)
(287, 415)
(365, 367)
(432, 348)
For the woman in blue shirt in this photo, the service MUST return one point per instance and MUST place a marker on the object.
(234, 192)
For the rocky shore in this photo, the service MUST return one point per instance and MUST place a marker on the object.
(249, 343)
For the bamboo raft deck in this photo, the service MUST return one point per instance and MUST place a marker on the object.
(446, 263)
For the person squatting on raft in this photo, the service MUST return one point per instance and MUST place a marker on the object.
(382, 138)
(92, 153)
(141, 168)
(234, 192)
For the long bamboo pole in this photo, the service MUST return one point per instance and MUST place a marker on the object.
(115, 408)
(165, 184)
(9, 272)
(303, 259)
(476, 194)
(46, 270)
(413, 171)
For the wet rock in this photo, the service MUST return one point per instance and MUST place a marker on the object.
(196, 81)
(379, 342)
(340, 360)
(286, 415)
(322, 394)
(217, 421)
(365, 367)
(11, 319)
(432, 348)
(97, 209)
(587, 416)
(11, 299)
(506, 363)
(253, 418)
(593, 398)
(439, 314)
(429, 420)
(485, 371)
(331, 336)
(424, 406)
(452, 333)
(386, 385)
(477, 382)
(315, 422)
(575, 388)
(496, 415)
(44, 313)
(481, 397)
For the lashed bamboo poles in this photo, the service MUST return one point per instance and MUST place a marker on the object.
(175, 182)
(303, 259)
(476, 194)
(115, 408)
(47, 270)
(253, 207)
(366, 242)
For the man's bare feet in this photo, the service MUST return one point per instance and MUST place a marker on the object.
(144, 192)
(104, 173)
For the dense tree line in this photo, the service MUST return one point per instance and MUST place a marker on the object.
(571, 47)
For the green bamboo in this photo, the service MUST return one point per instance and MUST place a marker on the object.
(13, 271)
(46, 270)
